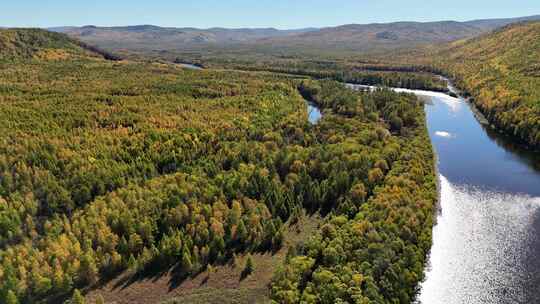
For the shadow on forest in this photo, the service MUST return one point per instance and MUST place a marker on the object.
(155, 270)
(177, 275)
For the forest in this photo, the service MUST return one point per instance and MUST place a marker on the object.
(356, 73)
(373, 246)
(109, 167)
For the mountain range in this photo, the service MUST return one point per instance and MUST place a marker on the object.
(357, 37)
(143, 36)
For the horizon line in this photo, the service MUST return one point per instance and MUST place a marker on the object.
(267, 27)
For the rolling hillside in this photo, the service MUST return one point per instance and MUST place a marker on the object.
(501, 70)
(353, 37)
(27, 43)
(23, 44)
(373, 37)
(149, 36)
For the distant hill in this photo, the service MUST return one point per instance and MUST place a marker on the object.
(357, 37)
(39, 43)
(150, 36)
(381, 36)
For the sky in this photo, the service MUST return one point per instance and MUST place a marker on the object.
(283, 14)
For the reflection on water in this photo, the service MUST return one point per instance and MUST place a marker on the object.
(486, 244)
(473, 156)
(531, 158)
(190, 66)
(314, 114)
(482, 247)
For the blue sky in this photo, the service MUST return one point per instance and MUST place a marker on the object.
(258, 13)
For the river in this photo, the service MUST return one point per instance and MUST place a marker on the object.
(314, 114)
(486, 241)
(190, 66)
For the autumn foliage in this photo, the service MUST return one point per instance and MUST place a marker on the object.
(110, 167)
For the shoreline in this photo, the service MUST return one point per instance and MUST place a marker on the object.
(484, 121)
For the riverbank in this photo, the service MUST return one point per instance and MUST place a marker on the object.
(481, 182)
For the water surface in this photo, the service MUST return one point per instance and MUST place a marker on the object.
(314, 114)
(486, 243)
(190, 66)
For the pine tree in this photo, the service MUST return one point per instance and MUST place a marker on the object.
(77, 298)
(186, 261)
(89, 271)
(358, 193)
(241, 233)
(132, 263)
(11, 298)
(248, 268)
(210, 269)
(100, 300)
(277, 239)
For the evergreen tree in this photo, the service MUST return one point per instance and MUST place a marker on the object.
(248, 268)
(100, 300)
(89, 271)
(187, 265)
(11, 298)
(241, 233)
(132, 263)
(77, 298)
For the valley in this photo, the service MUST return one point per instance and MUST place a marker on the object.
(364, 163)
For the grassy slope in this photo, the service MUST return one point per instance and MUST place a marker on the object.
(501, 71)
